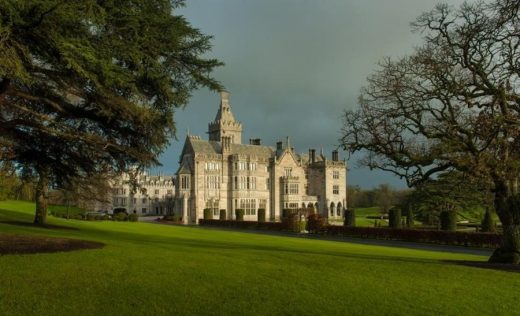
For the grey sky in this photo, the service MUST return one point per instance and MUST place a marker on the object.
(293, 66)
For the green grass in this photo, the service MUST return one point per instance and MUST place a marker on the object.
(363, 212)
(151, 269)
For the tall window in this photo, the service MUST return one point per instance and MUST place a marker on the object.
(335, 189)
(335, 174)
(288, 172)
(185, 183)
(293, 188)
(249, 206)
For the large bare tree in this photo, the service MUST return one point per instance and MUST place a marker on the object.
(453, 104)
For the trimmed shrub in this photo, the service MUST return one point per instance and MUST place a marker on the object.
(239, 213)
(208, 213)
(394, 217)
(350, 217)
(315, 223)
(286, 212)
(409, 218)
(448, 220)
(292, 223)
(261, 215)
(133, 217)
(168, 218)
(120, 217)
(222, 215)
(487, 225)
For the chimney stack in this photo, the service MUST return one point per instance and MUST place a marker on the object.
(255, 141)
(279, 146)
(312, 155)
(335, 155)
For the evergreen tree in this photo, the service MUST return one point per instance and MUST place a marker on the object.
(88, 86)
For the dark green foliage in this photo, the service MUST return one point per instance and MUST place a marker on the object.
(90, 86)
(169, 218)
(286, 212)
(292, 223)
(261, 215)
(120, 217)
(350, 217)
(315, 223)
(394, 218)
(448, 220)
(239, 213)
(409, 218)
(133, 217)
(222, 215)
(488, 224)
(208, 213)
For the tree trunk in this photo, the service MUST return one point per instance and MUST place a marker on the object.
(42, 188)
(507, 207)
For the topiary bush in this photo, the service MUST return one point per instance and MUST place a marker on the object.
(448, 220)
(292, 223)
(208, 213)
(394, 217)
(133, 217)
(261, 215)
(315, 223)
(409, 218)
(120, 217)
(222, 215)
(239, 213)
(350, 218)
(488, 224)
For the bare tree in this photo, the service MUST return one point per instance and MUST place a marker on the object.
(451, 105)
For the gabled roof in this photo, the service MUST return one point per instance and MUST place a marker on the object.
(200, 146)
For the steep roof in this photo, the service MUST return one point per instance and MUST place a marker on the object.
(201, 146)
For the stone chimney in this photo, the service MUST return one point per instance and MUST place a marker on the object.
(255, 141)
(335, 155)
(312, 155)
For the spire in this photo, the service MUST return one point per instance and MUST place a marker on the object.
(224, 113)
(225, 124)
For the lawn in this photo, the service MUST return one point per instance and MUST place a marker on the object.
(152, 269)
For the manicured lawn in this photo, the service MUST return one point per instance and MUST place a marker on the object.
(151, 269)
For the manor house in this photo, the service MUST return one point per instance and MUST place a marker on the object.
(222, 173)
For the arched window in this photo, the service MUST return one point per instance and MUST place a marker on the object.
(332, 209)
(339, 209)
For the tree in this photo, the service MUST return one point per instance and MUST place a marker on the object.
(450, 192)
(88, 86)
(453, 104)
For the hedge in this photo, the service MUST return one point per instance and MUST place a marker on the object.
(487, 240)
(244, 224)
(490, 240)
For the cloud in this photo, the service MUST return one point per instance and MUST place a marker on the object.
(293, 67)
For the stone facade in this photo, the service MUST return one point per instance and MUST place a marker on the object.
(222, 173)
(154, 195)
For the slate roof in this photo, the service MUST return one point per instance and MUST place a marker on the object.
(201, 146)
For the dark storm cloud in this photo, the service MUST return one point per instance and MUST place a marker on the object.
(292, 67)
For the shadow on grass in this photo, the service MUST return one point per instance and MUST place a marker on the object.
(210, 244)
(30, 224)
(486, 265)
